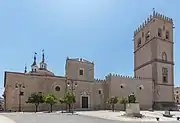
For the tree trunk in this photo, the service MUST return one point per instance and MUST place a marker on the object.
(124, 106)
(69, 107)
(51, 107)
(113, 107)
(36, 108)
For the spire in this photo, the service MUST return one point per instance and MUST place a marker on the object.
(25, 69)
(43, 56)
(43, 65)
(34, 63)
(154, 12)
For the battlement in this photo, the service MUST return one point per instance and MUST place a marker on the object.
(79, 60)
(150, 18)
(127, 77)
(99, 80)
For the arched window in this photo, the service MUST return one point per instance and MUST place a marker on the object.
(164, 56)
(167, 34)
(159, 32)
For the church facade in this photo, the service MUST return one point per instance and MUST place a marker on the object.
(152, 84)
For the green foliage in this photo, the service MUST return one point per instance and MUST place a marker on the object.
(62, 100)
(132, 98)
(69, 98)
(123, 100)
(113, 100)
(50, 99)
(35, 99)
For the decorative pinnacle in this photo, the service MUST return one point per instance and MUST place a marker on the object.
(154, 12)
(34, 63)
(43, 56)
(25, 69)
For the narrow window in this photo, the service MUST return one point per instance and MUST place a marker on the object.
(159, 32)
(139, 42)
(142, 34)
(165, 75)
(167, 34)
(147, 35)
(81, 72)
(99, 92)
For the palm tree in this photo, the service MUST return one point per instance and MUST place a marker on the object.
(123, 101)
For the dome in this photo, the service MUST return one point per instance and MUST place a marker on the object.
(42, 72)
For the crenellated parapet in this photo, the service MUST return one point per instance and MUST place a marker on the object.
(150, 18)
(99, 80)
(127, 77)
(79, 60)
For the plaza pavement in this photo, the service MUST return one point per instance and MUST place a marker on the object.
(4, 119)
(84, 117)
(50, 118)
(118, 115)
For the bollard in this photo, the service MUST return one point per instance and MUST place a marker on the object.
(178, 118)
(157, 118)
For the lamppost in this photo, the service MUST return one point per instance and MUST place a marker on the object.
(20, 93)
(72, 85)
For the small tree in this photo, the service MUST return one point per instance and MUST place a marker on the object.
(51, 100)
(113, 101)
(68, 99)
(35, 99)
(123, 101)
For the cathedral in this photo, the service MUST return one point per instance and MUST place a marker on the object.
(152, 83)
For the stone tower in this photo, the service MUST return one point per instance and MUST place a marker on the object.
(153, 57)
(79, 69)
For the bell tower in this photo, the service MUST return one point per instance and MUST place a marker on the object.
(153, 57)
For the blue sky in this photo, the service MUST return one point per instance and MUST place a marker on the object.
(97, 30)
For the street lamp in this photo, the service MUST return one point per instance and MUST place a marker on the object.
(72, 85)
(20, 92)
